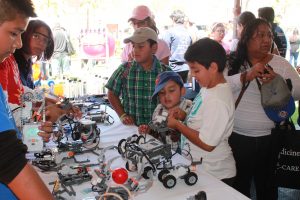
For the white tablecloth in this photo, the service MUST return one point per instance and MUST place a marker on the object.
(111, 134)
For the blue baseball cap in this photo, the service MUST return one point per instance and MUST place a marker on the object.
(279, 114)
(277, 100)
(163, 78)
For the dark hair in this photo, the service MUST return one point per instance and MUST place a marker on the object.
(245, 18)
(9, 9)
(152, 42)
(205, 51)
(26, 36)
(267, 13)
(239, 57)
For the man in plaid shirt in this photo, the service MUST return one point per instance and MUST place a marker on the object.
(131, 86)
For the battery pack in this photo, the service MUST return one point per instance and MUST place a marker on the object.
(31, 138)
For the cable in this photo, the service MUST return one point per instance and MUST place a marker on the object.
(122, 186)
(110, 194)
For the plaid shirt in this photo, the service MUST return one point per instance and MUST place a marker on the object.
(136, 86)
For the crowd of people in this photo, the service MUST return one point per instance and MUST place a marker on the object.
(150, 80)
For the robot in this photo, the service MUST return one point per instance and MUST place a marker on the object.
(69, 176)
(169, 176)
(86, 131)
(101, 117)
(50, 159)
(144, 156)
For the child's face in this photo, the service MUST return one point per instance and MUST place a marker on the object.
(201, 74)
(10, 36)
(170, 95)
(142, 52)
(39, 41)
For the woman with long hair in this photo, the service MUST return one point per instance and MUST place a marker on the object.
(251, 137)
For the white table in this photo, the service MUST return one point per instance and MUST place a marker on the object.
(214, 188)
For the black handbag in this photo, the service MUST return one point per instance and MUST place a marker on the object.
(285, 163)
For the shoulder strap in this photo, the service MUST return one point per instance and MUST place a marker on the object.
(244, 87)
(127, 66)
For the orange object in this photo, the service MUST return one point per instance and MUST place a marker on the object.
(71, 154)
(59, 89)
(36, 71)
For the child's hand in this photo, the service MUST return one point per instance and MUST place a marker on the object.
(144, 129)
(46, 130)
(53, 112)
(177, 113)
(172, 122)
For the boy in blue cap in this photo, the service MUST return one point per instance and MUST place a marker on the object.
(210, 121)
(170, 91)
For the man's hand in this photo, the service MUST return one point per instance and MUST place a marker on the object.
(46, 130)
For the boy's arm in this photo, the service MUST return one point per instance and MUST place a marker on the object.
(28, 185)
(16, 172)
(191, 134)
(116, 104)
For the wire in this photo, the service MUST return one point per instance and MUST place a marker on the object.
(122, 186)
(110, 194)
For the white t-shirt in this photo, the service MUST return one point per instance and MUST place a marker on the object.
(250, 118)
(212, 115)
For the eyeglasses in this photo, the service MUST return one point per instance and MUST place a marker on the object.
(41, 38)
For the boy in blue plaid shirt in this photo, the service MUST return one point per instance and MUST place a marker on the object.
(131, 86)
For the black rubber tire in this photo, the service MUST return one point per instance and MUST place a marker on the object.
(191, 178)
(169, 181)
(140, 139)
(162, 173)
(120, 148)
(146, 171)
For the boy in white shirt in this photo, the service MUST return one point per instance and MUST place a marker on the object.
(210, 121)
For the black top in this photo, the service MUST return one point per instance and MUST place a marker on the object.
(25, 69)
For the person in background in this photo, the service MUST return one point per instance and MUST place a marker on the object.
(209, 124)
(38, 45)
(15, 172)
(143, 17)
(242, 21)
(178, 40)
(60, 63)
(251, 137)
(218, 34)
(192, 29)
(295, 43)
(134, 82)
(280, 41)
